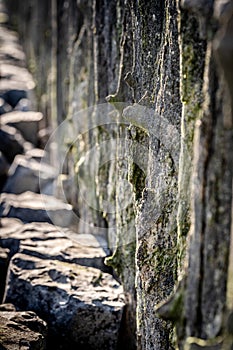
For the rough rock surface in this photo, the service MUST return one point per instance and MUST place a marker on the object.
(81, 305)
(45, 268)
(30, 207)
(14, 75)
(62, 277)
(21, 330)
(47, 241)
(163, 196)
(36, 154)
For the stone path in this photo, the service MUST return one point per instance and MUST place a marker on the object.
(56, 292)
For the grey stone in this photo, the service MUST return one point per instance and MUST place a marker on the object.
(4, 253)
(26, 122)
(8, 226)
(29, 207)
(157, 48)
(82, 306)
(28, 175)
(7, 307)
(36, 154)
(10, 50)
(21, 330)
(15, 78)
(47, 241)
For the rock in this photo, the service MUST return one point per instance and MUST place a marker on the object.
(47, 241)
(21, 330)
(36, 153)
(29, 207)
(4, 253)
(28, 175)
(15, 78)
(7, 307)
(9, 225)
(81, 305)
(11, 142)
(10, 50)
(26, 122)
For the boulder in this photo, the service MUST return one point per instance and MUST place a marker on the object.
(10, 50)
(7, 307)
(27, 174)
(30, 207)
(26, 122)
(21, 330)
(82, 306)
(9, 227)
(47, 241)
(15, 77)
